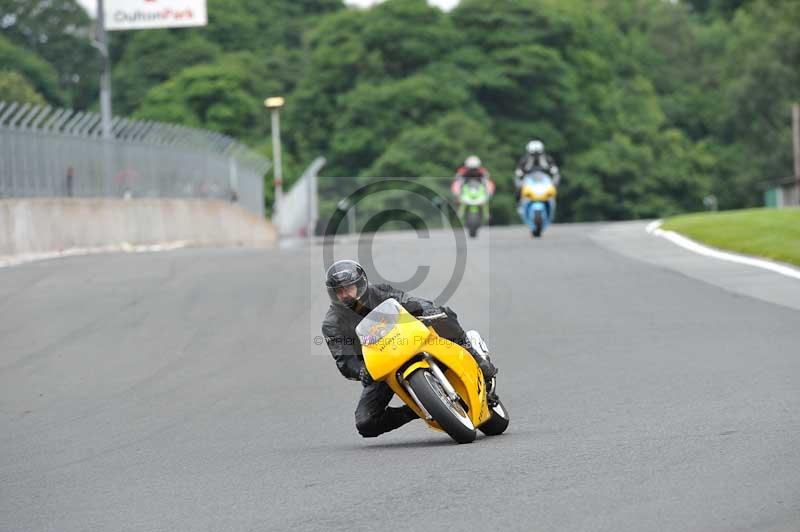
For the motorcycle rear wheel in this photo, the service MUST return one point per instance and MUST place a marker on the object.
(498, 423)
(450, 415)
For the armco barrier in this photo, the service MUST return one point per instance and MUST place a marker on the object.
(42, 225)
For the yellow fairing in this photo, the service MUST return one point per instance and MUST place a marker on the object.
(541, 193)
(394, 340)
(420, 364)
(403, 341)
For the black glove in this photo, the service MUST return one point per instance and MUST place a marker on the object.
(364, 376)
(433, 310)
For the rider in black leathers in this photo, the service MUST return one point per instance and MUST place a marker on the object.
(533, 159)
(373, 415)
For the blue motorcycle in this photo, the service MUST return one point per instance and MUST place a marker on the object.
(537, 201)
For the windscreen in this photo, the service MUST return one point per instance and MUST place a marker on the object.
(538, 176)
(379, 322)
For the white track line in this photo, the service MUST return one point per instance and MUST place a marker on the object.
(124, 247)
(654, 228)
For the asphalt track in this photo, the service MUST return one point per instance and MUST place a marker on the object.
(184, 391)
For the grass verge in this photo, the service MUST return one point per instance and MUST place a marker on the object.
(769, 233)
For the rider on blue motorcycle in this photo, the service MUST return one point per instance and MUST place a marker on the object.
(535, 158)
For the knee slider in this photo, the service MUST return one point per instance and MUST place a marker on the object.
(367, 428)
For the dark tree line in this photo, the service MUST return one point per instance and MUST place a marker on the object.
(648, 105)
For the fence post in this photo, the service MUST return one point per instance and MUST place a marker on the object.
(233, 179)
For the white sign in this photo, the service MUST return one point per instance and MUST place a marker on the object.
(146, 14)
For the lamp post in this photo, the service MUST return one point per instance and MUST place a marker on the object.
(796, 143)
(101, 43)
(274, 105)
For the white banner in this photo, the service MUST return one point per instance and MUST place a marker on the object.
(146, 14)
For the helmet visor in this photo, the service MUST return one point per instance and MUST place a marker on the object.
(346, 294)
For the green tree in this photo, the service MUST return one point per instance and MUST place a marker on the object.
(716, 8)
(434, 149)
(270, 30)
(759, 82)
(15, 88)
(542, 70)
(153, 57)
(371, 116)
(225, 96)
(41, 75)
(58, 32)
(354, 53)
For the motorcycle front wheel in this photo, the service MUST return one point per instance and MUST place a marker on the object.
(473, 222)
(449, 414)
(538, 224)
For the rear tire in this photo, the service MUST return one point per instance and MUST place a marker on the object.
(498, 423)
(433, 397)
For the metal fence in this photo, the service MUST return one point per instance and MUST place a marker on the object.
(783, 193)
(60, 152)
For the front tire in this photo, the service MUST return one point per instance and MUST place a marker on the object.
(538, 223)
(452, 417)
(473, 222)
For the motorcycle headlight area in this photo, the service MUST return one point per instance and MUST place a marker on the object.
(378, 323)
(537, 192)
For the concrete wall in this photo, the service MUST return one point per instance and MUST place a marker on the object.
(42, 225)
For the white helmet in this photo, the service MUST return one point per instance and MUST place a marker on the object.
(535, 147)
(472, 162)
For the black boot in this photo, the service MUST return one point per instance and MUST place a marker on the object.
(487, 368)
(491, 393)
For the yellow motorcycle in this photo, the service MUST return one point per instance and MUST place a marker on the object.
(437, 378)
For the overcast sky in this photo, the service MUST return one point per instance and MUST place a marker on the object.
(91, 5)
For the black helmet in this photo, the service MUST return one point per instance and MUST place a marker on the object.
(344, 273)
